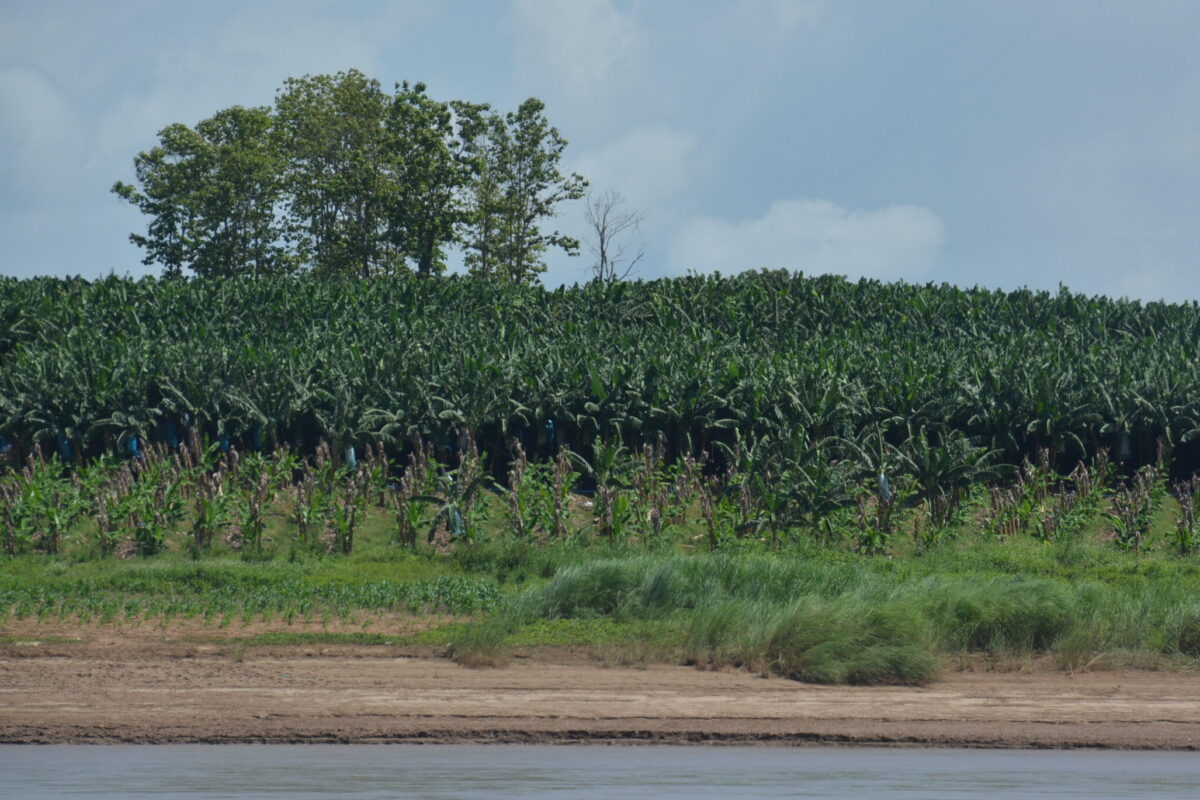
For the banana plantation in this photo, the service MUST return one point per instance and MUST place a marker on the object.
(790, 392)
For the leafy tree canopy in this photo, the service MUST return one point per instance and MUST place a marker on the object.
(342, 178)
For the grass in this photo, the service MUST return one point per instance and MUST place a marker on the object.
(222, 589)
(833, 618)
(483, 644)
(814, 641)
(812, 610)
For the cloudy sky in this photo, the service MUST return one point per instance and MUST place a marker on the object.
(995, 143)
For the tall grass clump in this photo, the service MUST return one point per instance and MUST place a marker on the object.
(641, 586)
(843, 641)
(581, 591)
(1181, 629)
(865, 621)
(786, 618)
(483, 643)
(998, 613)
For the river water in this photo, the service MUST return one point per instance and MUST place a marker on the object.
(305, 772)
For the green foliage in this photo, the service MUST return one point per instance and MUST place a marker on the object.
(1135, 505)
(700, 362)
(455, 494)
(1186, 533)
(877, 515)
(810, 608)
(39, 505)
(1013, 613)
(220, 589)
(831, 620)
(210, 193)
(429, 143)
(704, 412)
(330, 133)
(517, 183)
(539, 496)
(943, 466)
(349, 180)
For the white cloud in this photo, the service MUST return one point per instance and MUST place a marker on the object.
(579, 42)
(815, 236)
(651, 165)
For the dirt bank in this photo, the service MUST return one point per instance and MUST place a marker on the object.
(146, 685)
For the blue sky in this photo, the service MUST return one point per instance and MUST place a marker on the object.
(1002, 144)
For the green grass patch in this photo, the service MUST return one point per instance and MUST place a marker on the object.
(811, 609)
(174, 587)
(833, 619)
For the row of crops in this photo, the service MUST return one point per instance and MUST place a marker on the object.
(777, 371)
(197, 499)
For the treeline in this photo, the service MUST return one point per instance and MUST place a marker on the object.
(775, 370)
(343, 178)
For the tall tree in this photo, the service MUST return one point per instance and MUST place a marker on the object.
(428, 142)
(241, 196)
(344, 179)
(517, 184)
(169, 177)
(211, 193)
(340, 182)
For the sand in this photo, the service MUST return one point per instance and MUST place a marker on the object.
(157, 686)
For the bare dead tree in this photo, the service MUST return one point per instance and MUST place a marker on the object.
(609, 221)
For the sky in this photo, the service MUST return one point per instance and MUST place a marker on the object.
(1000, 144)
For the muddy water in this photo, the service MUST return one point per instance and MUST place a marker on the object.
(306, 772)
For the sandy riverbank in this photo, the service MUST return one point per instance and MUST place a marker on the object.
(149, 685)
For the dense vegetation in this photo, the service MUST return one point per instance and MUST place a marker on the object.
(788, 368)
(661, 566)
(864, 475)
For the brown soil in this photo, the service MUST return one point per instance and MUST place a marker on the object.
(149, 685)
